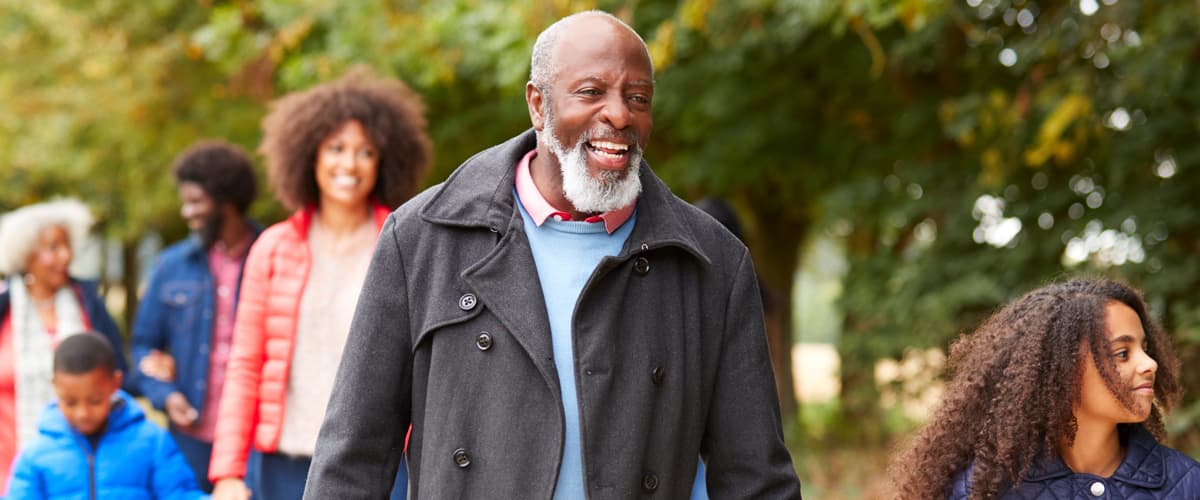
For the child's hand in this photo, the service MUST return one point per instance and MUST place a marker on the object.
(180, 411)
(230, 488)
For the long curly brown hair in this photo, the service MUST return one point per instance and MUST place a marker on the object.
(1013, 383)
(392, 114)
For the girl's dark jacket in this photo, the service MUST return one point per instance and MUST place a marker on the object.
(1149, 471)
(451, 336)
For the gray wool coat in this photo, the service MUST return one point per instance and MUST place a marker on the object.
(451, 336)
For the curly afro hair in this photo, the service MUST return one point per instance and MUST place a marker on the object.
(391, 113)
(223, 170)
(1013, 383)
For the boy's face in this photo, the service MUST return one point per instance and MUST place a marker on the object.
(86, 398)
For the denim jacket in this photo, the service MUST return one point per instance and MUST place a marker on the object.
(1149, 471)
(176, 315)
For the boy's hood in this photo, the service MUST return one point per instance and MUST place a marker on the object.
(125, 412)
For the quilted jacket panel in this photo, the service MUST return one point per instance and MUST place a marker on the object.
(1149, 471)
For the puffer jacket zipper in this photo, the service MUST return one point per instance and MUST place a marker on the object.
(91, 476)
(90, 453)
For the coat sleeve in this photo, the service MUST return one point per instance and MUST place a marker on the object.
(743, 446)
(26, 481)
(173, 479)
(150, 332)
(237, 415)
(362, 438)
(103, 323)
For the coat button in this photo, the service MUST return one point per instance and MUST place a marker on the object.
(483, 341)
(657, 375)
(641, 265)
(649, 483)
(1097, 489)
(467, 301)
(461, 458)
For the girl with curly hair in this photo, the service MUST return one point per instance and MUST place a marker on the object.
(342, 155)
(1060, 394)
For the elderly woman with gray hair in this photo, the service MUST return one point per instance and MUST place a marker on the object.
(40, 304)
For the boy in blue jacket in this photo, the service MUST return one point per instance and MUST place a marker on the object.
(95, 442)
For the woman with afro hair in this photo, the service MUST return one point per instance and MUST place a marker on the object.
(1059, 395)
(343, 155)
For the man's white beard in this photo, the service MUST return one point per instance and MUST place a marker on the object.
(590, 194)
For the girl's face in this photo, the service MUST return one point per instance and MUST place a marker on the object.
(347, 166)
(1135, 371)
(51, 258)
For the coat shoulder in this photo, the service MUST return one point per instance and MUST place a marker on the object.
(1183, 474)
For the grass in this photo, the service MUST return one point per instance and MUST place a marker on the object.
(832, 467)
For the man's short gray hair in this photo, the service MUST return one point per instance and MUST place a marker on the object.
(20, 228)
(543, 68)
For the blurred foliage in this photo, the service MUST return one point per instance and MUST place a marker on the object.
(961, 152)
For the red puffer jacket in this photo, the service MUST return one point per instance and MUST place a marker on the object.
(252, 402)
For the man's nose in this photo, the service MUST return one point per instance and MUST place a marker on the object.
(616, 111)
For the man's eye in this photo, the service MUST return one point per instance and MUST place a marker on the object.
(1122, 354)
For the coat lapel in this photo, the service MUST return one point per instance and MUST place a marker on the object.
(505, 285)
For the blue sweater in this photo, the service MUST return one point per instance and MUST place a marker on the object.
(566, 253)
(134, 459)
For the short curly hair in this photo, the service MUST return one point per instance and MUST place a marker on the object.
(223, 170)
(1009, 401)
(392, 114)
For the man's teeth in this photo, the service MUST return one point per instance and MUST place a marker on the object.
(611, 146)
(606, 154)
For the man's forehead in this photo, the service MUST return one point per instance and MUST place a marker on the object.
(592, 39)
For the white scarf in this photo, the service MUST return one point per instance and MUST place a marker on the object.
(33, 351)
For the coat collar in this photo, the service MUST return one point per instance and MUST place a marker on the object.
(196, 248)
(301, 220)
(1144, 464)
(479, 194)
(125, 412)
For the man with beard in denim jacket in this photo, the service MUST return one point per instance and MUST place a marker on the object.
(186, 315)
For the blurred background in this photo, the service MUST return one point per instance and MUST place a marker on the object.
(900, 167)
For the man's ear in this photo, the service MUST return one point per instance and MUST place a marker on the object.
(118, 377)
(535, 100)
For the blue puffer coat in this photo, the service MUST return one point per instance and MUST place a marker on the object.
(135, 459)
(1149, 471)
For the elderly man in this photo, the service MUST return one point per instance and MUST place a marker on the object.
(553, 323)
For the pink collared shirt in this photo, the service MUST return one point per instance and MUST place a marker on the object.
(225, 273)
(539, 209)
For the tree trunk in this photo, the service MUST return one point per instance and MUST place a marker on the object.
(129, 281)
(774, 241)
(859, 397)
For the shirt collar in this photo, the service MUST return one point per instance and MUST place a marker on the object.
(539, 209)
